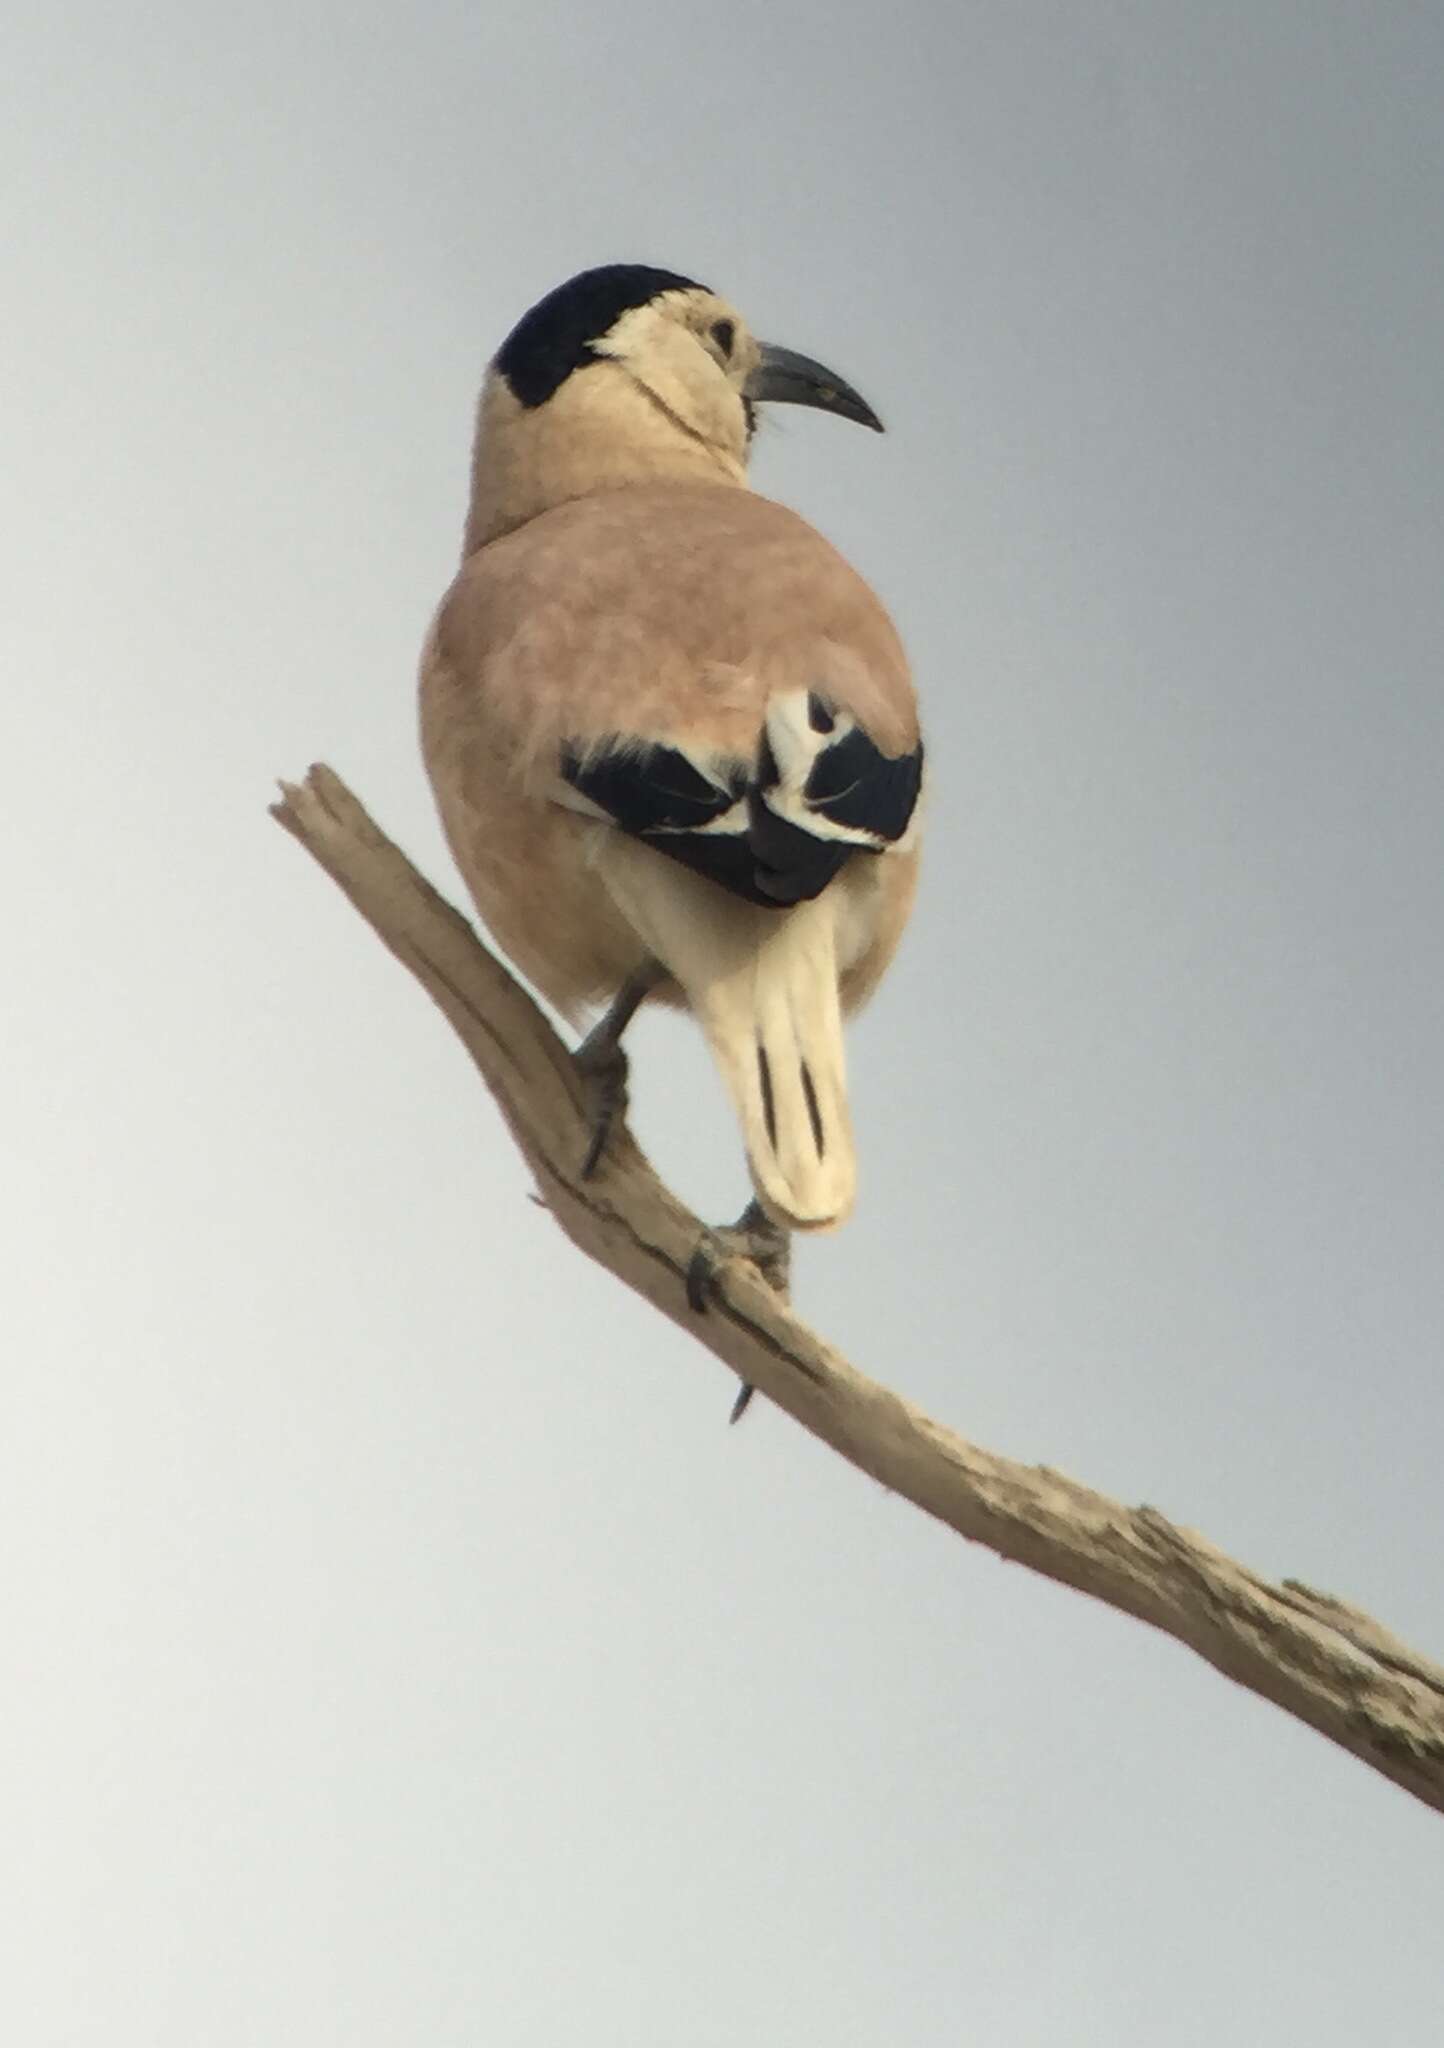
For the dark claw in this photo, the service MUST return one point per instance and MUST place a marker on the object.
(701, 1275)
(701, 1279)
(603, 1068)
(753, 1236)
(603, 1118)
(601, 1131)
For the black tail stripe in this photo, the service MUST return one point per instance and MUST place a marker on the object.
(769, 1107)
(819, 1136)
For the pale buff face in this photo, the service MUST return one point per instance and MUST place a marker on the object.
(661, 398)
(691, 353)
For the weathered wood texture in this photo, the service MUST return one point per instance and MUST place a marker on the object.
(1320, 1660)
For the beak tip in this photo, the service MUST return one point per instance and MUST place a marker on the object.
(785, 377)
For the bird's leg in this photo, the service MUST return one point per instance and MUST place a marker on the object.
(754, 1236)
(602, 1063)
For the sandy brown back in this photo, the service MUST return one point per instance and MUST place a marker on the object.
(669, 611)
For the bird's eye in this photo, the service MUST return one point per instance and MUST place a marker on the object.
(724, 333)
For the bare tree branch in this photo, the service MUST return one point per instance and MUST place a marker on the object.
(1320, 1660)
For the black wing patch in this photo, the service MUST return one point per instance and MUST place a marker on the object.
(852, 784)
(652, 789)
(774, 831)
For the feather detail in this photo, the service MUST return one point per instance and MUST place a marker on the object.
(775, 830)
(764, 988)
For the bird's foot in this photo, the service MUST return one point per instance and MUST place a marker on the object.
(754, 1237)
(602, 1065)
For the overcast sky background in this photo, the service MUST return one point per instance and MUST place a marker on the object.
(401, 1648)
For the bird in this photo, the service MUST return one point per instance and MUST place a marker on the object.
(671, 732)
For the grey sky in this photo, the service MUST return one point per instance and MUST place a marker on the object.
(403, 1650)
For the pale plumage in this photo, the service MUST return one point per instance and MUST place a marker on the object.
(670, 730)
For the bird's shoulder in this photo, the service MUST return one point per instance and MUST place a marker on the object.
(670, 602)
(706, 556)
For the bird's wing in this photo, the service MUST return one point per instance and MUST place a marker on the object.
(698, 667)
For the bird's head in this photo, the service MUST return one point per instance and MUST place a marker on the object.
(625, 374)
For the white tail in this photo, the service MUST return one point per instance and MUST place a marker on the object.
(763, 985)
(775, 1030)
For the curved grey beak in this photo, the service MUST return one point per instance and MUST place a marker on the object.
(786, 378)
